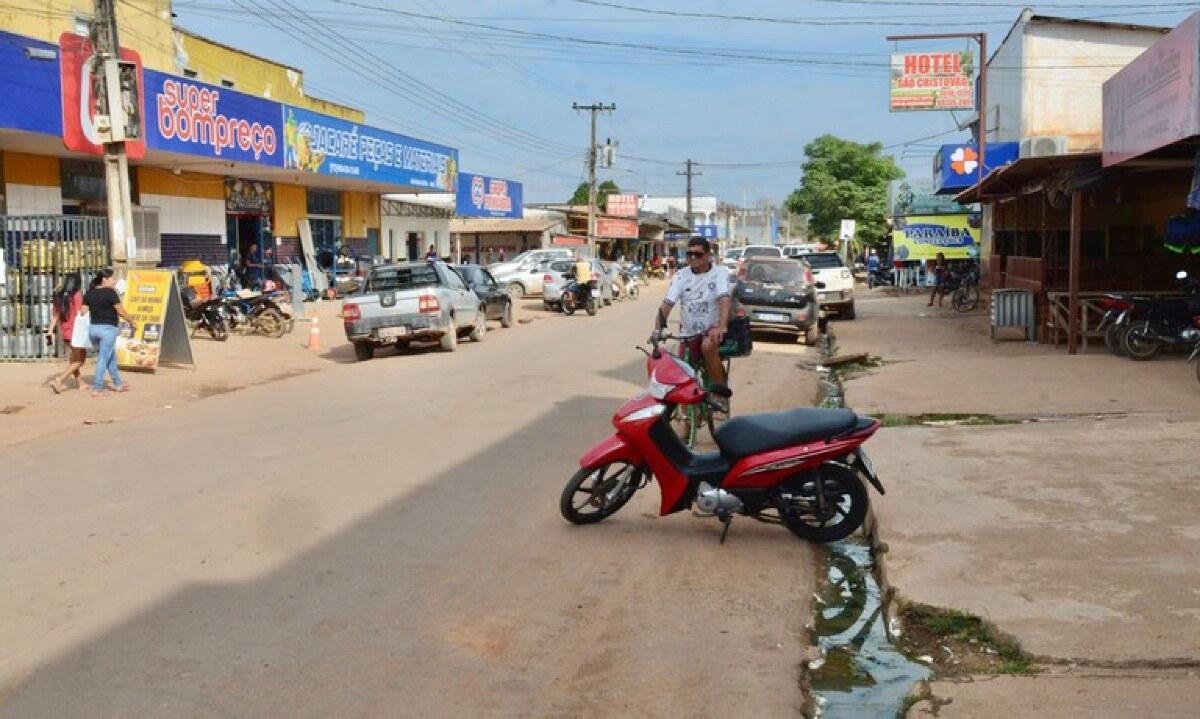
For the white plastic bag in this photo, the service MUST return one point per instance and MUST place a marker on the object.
(81, 330)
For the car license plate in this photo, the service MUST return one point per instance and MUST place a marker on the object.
(391, 332)
(771, 317)
(595, 293)
(866, 462)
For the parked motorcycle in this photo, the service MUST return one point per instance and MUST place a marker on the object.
(627, 287)
(1116, 320)
(577, 294)
(963, 288)
(1168, 323)
(207, 315)
(256, 313)
(804, 469)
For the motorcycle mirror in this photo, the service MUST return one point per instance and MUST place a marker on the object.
(721, 390)
(1181, 275)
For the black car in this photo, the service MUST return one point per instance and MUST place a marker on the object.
(496, 301)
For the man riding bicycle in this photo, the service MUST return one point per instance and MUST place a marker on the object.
(702, 292)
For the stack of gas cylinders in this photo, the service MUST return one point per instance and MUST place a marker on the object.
(35, 268)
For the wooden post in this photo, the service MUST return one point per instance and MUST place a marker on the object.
(1073, 278)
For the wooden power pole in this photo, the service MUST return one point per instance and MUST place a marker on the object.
(594, 108)
(113, 127)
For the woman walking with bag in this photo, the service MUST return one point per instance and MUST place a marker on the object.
(67, 304)
(104, 312)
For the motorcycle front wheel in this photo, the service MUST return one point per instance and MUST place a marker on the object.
(595, 493)
(217, 330)
(824, 505)
(589, 304)
(1114, 337)
(965, 299)
(1137, 342)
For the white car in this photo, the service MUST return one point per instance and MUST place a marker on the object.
(522, 275)
(794, 251)
(838, 291)
(731, 258)
(553, 283)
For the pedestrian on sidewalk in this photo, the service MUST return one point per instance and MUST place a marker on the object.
(105, 310)
(940, 275)
(67, 303)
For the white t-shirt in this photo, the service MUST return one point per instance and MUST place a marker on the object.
(697, 297)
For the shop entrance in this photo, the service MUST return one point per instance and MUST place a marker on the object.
(242, 231)
(414, 245)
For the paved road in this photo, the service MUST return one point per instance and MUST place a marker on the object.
(382, 539)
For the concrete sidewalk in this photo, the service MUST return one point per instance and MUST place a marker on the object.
(1078, 536)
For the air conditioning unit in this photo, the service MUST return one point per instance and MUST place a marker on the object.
(1043, 146)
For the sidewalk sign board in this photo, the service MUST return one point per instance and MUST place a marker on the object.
(159, 331)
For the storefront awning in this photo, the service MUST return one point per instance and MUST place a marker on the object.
(1027, 175)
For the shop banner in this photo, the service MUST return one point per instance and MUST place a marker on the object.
(933, 81)
(79, 106)
(923, 237)
(30, 85)
(482, 196)
(708, 232)
(917, 197)
(956, 167)
(158, 333)
(616, 229)
(621, 205)
(196, 118)
(331, 146)
(1152, 101)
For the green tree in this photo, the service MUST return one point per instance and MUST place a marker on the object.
(603, 190)
(845, 180)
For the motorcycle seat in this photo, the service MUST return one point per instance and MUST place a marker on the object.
(757, 433)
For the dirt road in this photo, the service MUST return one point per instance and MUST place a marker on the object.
(383, 539)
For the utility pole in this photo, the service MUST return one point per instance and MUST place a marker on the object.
(594, 108)
(112, 126)
(689, 172)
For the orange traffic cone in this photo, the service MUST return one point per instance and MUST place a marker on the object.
(314, 334)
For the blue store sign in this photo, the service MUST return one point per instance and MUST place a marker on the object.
(956, 167)
(483, 196)
(30, 85)
(708, 232)
(331, 146)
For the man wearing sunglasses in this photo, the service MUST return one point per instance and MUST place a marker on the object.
(702, 292)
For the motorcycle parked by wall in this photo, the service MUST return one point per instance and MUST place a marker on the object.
(1116, 320)
(1168, 322)
(804, 469)
(256, 313)
(579, 294)
(207, 315)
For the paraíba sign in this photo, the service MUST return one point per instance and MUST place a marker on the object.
(933, 81)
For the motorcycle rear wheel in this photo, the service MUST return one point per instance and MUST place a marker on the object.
(846, 504)
(596, 493)
(270, 323)
(965, 299)
(632, 289)
(1137, 343)
(567, 302)
(218, 331)
(589, 304)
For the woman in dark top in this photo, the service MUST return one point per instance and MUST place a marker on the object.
(105, 311)
(67, 302)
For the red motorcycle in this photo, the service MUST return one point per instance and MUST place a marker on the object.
(803, 468)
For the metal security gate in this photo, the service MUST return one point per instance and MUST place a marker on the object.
(38, 252)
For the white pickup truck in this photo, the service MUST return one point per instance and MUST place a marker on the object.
(412, 301)
(838, 291)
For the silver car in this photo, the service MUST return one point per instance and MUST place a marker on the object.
(522, 275)
(553, 282)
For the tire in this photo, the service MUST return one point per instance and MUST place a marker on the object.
(363, 351)
(480, 329)
(632, 289)
(965, 299)
(1136, 345)
(1198, 371)
(271, 323)
(403, 345)
(589, 304)
(811, 335)
(567, 303)
(218, 332)
(1114, 338)
(839, 483)
(449, 339)
(606, 492)
(506, 319)
(847, 314)
(516, 291)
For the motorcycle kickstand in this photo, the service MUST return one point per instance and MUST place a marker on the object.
(726, 520)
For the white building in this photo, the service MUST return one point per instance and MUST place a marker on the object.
(411, 223)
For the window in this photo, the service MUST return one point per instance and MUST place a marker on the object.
(823, 260)
(453, 281)
(385, 279)
(324, 202)
(190, 73)
(488, 279)
(226, 82)
(83, 25)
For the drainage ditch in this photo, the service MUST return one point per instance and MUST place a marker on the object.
(859, 672)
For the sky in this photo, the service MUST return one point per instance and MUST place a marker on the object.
(742, 97)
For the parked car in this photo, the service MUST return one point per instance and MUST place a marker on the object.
(794, 251)
(732, 255)
(409, 301)
(779, 294)
(838, 291)
(520, 276)
(553, 283)
(497, 303)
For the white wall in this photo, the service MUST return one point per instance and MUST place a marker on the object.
(1005, 88)
(394, 235)
(187, 215)
(33, 199)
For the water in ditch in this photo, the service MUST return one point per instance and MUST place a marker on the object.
(861, 675)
